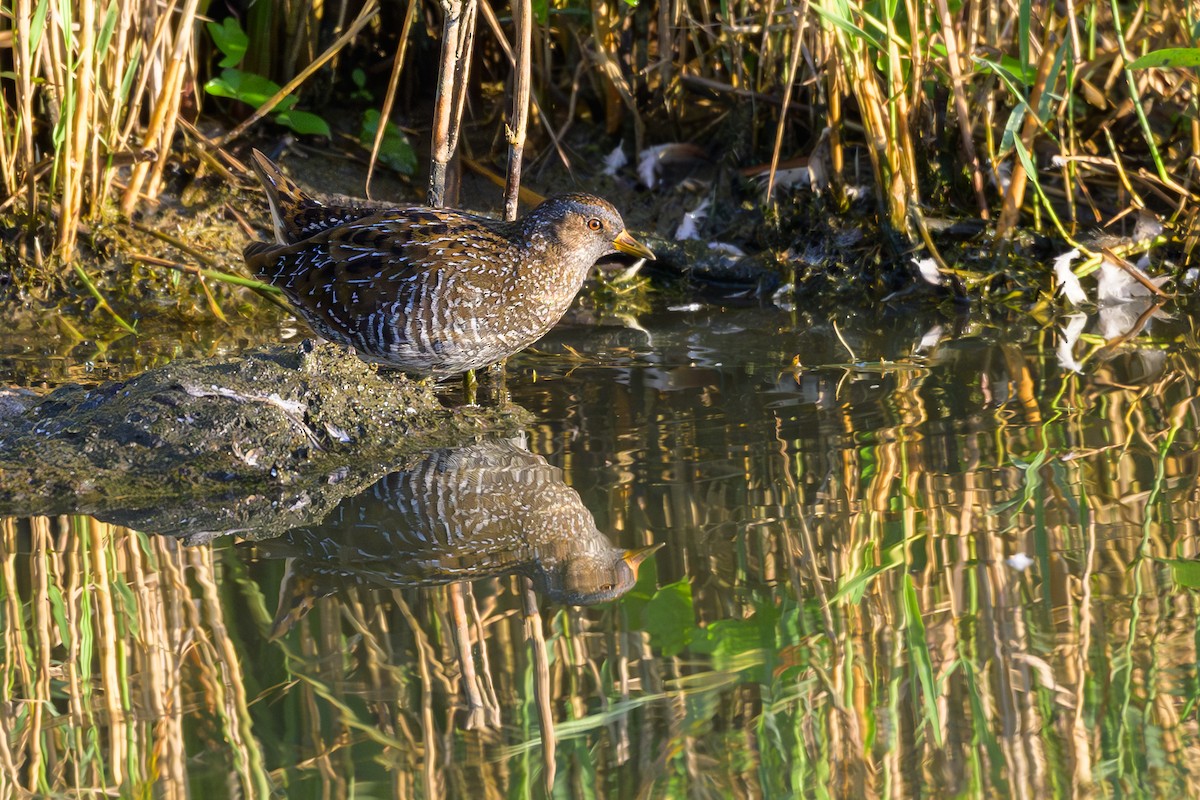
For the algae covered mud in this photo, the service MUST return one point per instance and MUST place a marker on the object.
(899, 555)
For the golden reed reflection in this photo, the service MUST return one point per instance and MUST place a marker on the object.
(840, 604)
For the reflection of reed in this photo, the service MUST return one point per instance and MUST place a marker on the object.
(855, 626)
(109, 657)
(849, 538)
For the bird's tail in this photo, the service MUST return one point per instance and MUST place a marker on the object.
(288, 201)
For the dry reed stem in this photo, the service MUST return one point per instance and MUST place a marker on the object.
(523, 37)
(965, 128)
(389, 98)
(535, 640)
(790, 81)
(458, 26)
(146, 177)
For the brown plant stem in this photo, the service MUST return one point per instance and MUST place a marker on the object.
(523, 30)
(389, 98)
(458, 30)
(1015, 196)
(950, 38)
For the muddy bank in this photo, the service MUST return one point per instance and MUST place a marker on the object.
(236, 441)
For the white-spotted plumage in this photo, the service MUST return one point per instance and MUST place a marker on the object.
(432, 291)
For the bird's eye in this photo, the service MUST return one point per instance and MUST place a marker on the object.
(595, 224)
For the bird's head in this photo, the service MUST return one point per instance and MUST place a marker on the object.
(585, 224)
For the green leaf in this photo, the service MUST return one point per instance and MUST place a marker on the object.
(1185, 571)
(669, 618)
(37, 25)
(106, 31)
(1167, 58)
(304, 122)
(839, 17)
(245, 87)
(230, 39)
(395, 150)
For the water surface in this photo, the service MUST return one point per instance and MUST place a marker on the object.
(902, 553)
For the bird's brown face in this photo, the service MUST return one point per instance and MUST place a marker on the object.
(584, 223)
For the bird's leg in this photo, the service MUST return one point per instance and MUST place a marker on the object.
(495, 385)
(470, 387)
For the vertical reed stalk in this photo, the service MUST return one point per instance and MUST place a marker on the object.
(458, 24)
(962, 110)
(800, 17)
(1015, 196)
(389, 99)
(147, 176)
(523, 44)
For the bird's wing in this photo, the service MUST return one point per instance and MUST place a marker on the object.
(384, 258)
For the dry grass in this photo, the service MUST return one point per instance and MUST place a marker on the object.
(1028, 116)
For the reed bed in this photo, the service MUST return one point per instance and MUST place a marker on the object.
(1064, 118)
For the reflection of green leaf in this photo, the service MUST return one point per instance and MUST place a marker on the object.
(1185, 571)
(59, 611)
(853, 586)
(230, 39)
(253, 90)
(920, 659)
(1170, 57)
(395, 150)
(304, 122)
(668, 617)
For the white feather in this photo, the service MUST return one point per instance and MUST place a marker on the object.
(689, 226)
(1071, 288)
(615, 160)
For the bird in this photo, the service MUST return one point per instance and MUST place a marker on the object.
(431, 291)
(481, 510)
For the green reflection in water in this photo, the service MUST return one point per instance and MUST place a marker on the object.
(947, 564)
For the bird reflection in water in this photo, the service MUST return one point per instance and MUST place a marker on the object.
(488, 509)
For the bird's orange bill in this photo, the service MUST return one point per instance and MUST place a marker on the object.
(635, 557)
(627, 244)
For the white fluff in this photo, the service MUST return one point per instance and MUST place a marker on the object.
(929, 271)
(726, 249)
(689, 226)
(648, 164)
(1067, 341)
(1071, 288)
(1019, 561)
(1116, 285)
(615, 160)
(930, 339)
